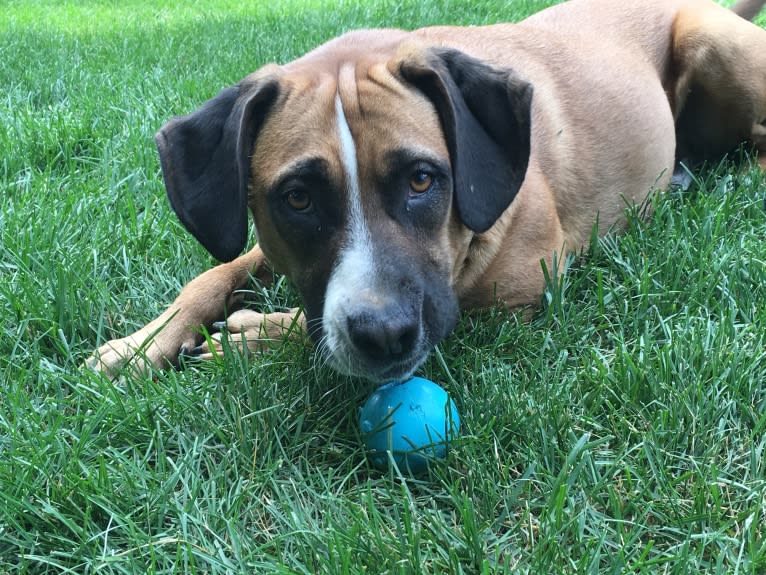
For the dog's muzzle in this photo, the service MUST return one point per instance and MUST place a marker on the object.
(384, 332)
(375, 336)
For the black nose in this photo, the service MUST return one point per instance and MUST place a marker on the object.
(386, 333)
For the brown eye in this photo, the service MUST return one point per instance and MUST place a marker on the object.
(420, 182)
(299, 200)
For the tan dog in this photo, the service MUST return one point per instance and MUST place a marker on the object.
(396, 177)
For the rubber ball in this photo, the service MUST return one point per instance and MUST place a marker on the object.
(412, 421)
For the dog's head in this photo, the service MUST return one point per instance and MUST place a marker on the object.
(368, 165)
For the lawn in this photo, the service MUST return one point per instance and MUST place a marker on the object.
(622, 430)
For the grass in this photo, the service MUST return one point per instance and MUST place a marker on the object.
(621, 431)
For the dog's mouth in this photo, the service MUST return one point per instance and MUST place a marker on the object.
(353, 367)
(346, 362)
(372, 355)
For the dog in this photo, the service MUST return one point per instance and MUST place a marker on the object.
(398, 177)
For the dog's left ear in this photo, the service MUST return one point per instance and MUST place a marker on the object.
(205, 160)
(485, 114)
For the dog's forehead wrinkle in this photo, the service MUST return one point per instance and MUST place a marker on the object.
(348, 89)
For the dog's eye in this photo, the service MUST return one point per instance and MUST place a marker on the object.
(420, 182)
(299, 200)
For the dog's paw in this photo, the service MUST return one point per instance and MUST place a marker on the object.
(112, 357)
(139, 353)
(251, 330)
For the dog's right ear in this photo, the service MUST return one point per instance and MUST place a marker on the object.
(485, 113)
(205, 160)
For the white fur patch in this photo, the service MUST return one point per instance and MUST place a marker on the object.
(355, 268)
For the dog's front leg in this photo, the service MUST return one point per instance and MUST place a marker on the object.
(256, 331)
(202, 301)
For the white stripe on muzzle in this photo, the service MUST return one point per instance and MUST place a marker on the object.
(355, 270)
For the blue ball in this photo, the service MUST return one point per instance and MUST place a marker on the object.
(414, 421)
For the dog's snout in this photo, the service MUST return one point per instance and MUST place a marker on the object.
(383, 334)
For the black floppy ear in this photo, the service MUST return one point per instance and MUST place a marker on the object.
(486, 115)
(205, 160)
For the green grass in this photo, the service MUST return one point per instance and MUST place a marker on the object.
(621, 431)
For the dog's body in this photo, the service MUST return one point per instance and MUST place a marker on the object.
(396, 177)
